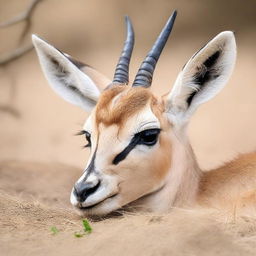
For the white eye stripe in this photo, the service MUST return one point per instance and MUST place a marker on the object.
(148, 125)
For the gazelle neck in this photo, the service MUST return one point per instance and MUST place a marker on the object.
(181, 183)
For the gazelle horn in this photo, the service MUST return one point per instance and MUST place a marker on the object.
(122, 68)
(146, 70)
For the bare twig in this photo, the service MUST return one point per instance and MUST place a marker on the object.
(22, 16)
(25, 16)
(9, 107)
(10, 110)
(17, 53)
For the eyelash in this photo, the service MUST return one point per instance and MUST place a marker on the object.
(87, 136)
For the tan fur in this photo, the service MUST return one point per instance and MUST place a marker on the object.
(161, 160)
(131, 101)
(231, 186)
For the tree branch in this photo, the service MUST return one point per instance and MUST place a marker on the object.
(10, 110)
(25, 16)
(17, 53)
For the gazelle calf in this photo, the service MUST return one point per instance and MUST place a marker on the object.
(140, 153)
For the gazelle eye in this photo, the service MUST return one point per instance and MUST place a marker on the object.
(88, 138)
(148, 137)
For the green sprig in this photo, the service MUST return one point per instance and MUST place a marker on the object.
(54, 230)
(87, 229)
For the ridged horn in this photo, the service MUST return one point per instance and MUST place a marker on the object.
(146, 70)
(122, 68)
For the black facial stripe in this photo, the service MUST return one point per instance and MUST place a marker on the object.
(146, 137)
(121, 156)
(91, 166)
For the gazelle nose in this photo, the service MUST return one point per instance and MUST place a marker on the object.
(83, 189)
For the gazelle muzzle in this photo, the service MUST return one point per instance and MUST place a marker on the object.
(82, 190)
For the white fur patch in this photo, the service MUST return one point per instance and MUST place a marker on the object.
(64, 77)
(178, 108)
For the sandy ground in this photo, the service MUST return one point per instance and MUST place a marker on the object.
(40, 158)
(32, 202)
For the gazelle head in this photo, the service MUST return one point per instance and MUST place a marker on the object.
(133, 134)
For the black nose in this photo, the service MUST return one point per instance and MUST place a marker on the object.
(82, 190)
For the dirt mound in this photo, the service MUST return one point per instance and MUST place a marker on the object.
(31, 197)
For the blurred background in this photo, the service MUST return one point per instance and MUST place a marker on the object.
(37, 125)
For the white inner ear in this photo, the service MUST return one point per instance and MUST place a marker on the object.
(65, 78)
(205, 74)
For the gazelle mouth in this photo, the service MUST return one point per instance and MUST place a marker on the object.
(94, 205)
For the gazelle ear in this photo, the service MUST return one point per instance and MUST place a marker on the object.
(205, 74)
(73, 81)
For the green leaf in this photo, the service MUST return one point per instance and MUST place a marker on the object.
(87, 226)
(78, 234)
(87, 229)
(54, 230)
